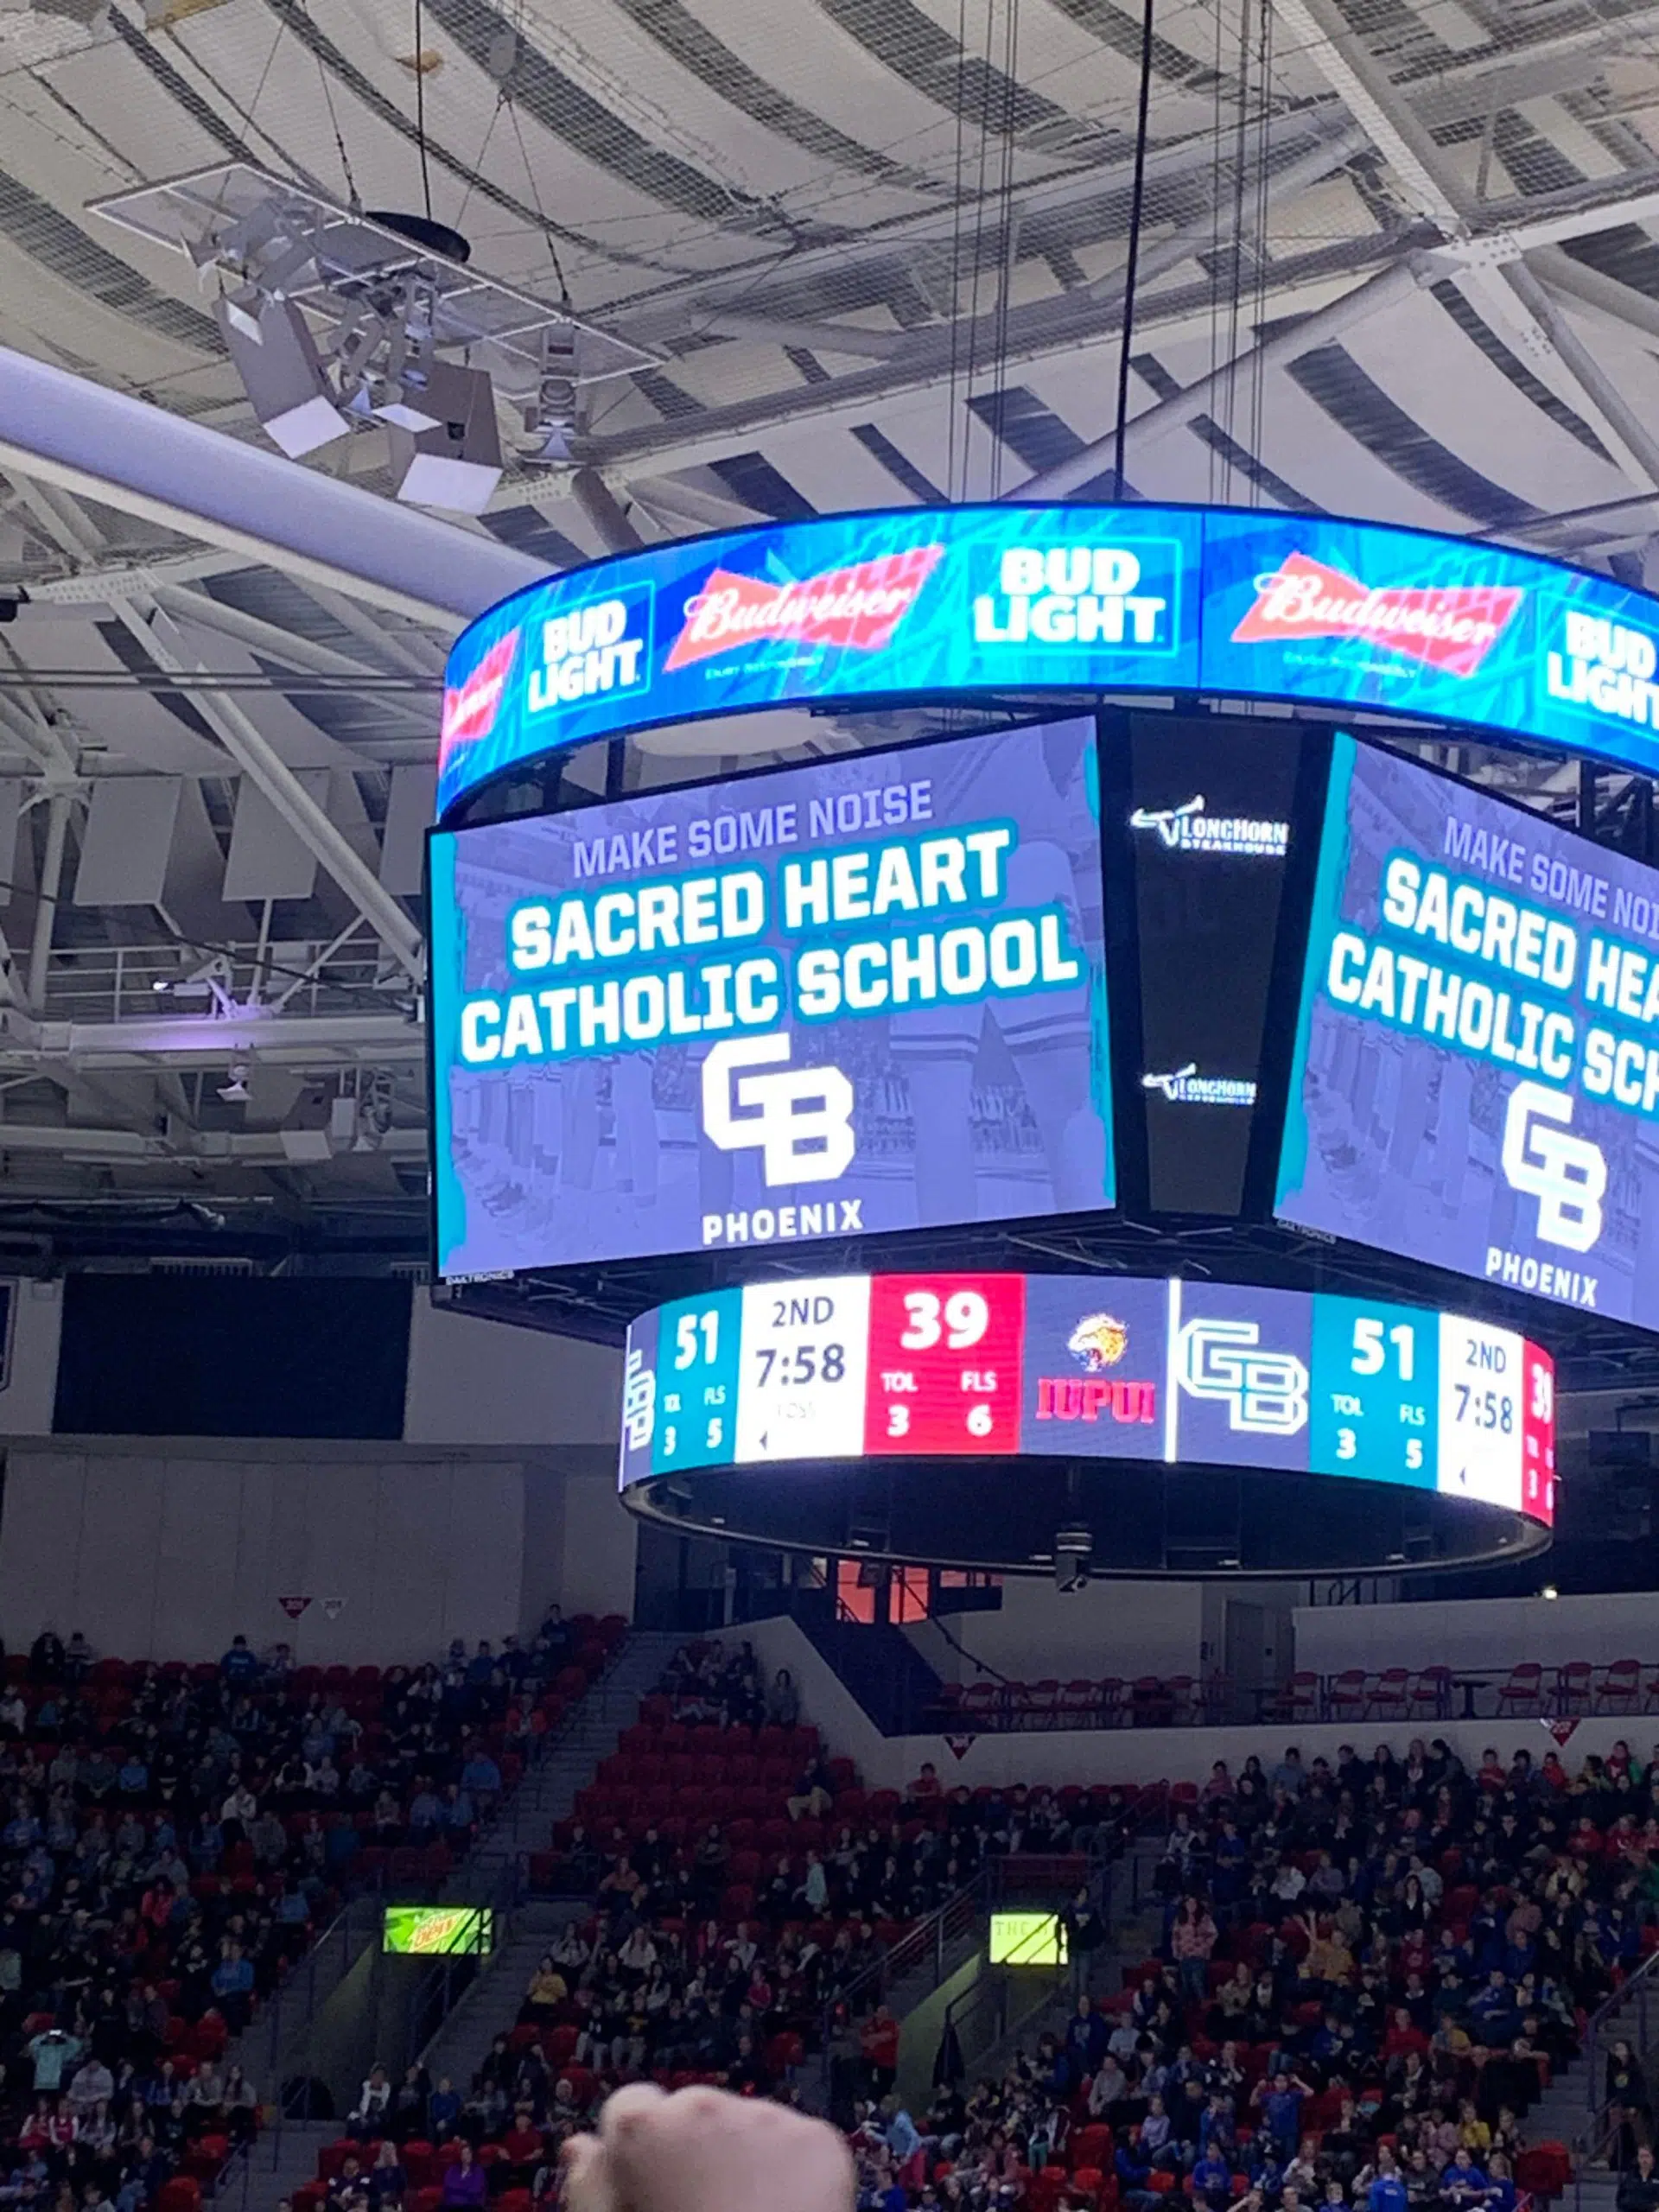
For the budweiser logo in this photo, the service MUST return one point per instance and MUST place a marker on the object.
(1448, 627)
(469, 711)
(857, 609)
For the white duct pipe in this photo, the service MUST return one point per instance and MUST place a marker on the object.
(65, 430)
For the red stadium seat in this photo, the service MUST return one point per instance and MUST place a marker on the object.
(1391, 1698)
(1524, 1690)
(1575, 1686)
(1619, 1689)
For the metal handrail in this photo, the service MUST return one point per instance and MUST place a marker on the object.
(1642, 1985)
(1213, 1699)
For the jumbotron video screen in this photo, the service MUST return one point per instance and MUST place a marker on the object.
(854, 998)
(1475, 1077)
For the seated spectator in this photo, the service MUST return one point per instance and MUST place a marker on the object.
(366, 2122)
(782, 1701)
(547, 1990)
(465, 2187)
(812, 1799)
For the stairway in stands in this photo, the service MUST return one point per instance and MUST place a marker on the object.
(1135, 1920)
(547, 1797)
(286, 2158)
(879, 1664)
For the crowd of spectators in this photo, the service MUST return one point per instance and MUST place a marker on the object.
(169, 1837)
(1370, 1970)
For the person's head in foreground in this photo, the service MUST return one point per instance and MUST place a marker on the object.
(701, 2151)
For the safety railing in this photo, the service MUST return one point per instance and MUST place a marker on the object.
(127, 982)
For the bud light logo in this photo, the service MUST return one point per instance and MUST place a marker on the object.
(1090, 595)
(588, 653)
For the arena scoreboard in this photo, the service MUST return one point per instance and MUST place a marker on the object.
(1090, 905)
(1003, 1367)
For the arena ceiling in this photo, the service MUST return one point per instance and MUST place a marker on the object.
(1401, 258)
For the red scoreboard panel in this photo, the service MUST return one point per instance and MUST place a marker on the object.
(944, 1368)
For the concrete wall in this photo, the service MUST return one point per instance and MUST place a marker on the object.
(1140, 1755)
(473, 1381)
(501, 1500)
(1484, 1633)
(164, 1550)
(1106, 1628)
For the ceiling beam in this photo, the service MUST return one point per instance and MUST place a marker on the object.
(1062, 324)
(1387, 289)
(1194, 156)
(1489, 268)
(1631, 311)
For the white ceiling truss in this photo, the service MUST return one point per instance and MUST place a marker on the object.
(1402, 259)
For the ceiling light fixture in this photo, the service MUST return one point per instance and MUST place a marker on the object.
(338, 320)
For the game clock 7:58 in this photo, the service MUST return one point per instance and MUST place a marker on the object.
(1483, 1375)
(801, 1383)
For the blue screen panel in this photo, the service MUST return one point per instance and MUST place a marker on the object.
(1475, 1076)
(1358, 615)
(861, 996)
(918, 602)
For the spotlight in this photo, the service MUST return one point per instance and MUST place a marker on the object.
(456, 463)
(1550, 1590)
(235, 1092)
(1074, 1551)
(272, 351)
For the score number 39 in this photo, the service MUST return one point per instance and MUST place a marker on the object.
(959, 1322)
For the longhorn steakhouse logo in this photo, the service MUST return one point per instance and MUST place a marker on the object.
(854, 609)
(1451, 628)
(469, 711)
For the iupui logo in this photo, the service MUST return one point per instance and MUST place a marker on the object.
(1098, 1342)
(1451, 628)
(856, 609)
(469, 711)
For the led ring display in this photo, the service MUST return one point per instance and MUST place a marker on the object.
(987, 601)
(1365, 1432)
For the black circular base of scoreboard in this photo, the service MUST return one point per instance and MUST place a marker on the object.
(1142, 1518)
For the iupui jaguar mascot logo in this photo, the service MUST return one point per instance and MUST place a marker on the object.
(1451, 628)
(856, 608)
(1099, 1340)
(470, 709)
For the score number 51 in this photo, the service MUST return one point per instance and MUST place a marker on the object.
(1373, 1341)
